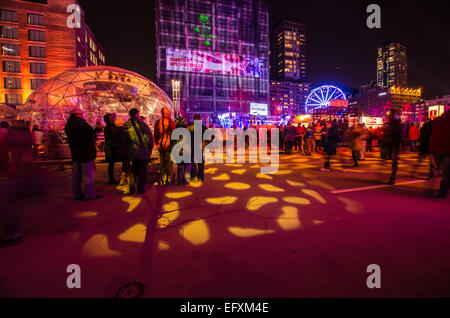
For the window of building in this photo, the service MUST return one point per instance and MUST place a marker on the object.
(35, 83)
(12, 83)
(92, 45)
(9, 33)
(37, 51)
(8, 15)
(38, 68)
(13, 99)
(36, 35)
(35, 19)
(11, 66)
(94, 59)
(10, 49)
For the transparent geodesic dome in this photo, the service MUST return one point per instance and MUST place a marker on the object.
(96, 90)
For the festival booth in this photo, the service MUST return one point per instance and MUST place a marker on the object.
(96, 90)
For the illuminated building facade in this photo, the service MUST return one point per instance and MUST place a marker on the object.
(392, 66)
(219, 51)
(36, 45)
(400, 98)
(430, 108)
(289, 89)
(287, 97)
(288, 51)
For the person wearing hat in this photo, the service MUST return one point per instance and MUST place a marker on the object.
(141, 148)
(81, 137)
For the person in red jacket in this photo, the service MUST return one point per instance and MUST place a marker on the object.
(414, 136)
(440, 148)
(163, 134)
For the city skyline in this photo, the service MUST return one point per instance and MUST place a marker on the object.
(351, 64)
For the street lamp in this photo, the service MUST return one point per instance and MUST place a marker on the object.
(176, 87)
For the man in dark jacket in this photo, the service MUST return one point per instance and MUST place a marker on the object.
(289, 138)
(110, 150)
(440, 148)
(141, 148)
(331, 145)
(197, 168)
(393, 141)
(81, 138)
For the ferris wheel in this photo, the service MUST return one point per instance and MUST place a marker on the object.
(321, 97)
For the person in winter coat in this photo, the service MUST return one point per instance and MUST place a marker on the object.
(183, 168)
(414, 135)
(331, 145)
(81, 137)
(309, 136)
(110, 150)
(141, 148)
(440, 147)
(356, 144)
(424, 142)
(163, 134)
(393, 140)
(197, 168)
(289, 138)
(121, 143)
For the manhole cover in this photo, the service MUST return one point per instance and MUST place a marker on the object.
(132, 290)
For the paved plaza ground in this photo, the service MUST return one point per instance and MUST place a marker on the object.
(298, 233)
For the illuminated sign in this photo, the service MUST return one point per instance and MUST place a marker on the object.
(259, 109)
(373, 121)
(436, 111)
(339, 103)
(213, 63)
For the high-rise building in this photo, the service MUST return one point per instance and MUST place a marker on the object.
(288, 51)
(289, 89)
(36, 44)
(392, 66)
(288, 97)
(218, 49)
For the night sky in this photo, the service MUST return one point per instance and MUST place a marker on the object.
(341, 49)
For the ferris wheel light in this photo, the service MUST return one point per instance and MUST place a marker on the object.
(321, 97)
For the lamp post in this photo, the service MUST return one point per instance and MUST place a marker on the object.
(176, 87)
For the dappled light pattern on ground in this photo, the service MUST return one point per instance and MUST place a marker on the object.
(135, 234)
(222, 201)
(133, 203)
(256, 203)
(196, 232)
(98, 246)
(289, 220)
(270, 188)
(246, 233)
(238, 186)
(296, 200)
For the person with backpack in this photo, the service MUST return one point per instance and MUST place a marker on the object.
(163, 134)
(141, 148)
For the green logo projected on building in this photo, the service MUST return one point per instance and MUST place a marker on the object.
(205, 29)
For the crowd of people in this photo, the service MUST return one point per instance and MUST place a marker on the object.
(432, 141)
(130, 143)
